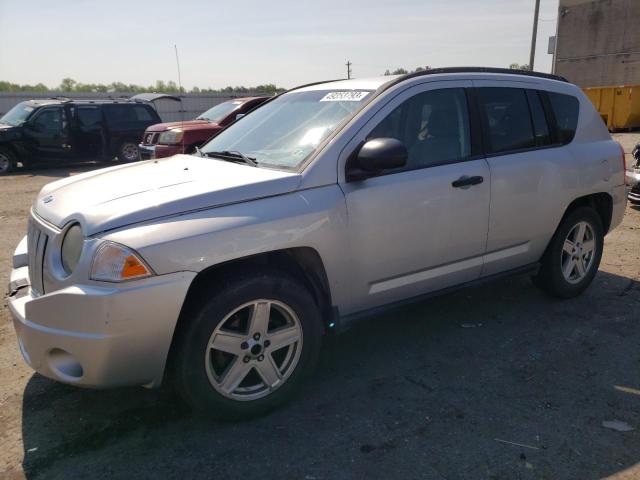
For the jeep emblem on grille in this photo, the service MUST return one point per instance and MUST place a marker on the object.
(48, 199)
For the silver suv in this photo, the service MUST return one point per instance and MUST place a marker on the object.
(223, 270)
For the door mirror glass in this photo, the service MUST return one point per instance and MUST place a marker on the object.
(376, 156)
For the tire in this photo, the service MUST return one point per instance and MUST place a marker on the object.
(128, 151)
(204, 375)
(569, 265)
(8, 161)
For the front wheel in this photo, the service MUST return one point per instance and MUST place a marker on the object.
(128, 152)
(573, 256)
(7, 161)
(248, 346)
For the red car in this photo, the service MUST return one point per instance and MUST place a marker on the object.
(166, 139)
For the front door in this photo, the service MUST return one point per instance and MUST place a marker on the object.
(47, 134)
(419, 228)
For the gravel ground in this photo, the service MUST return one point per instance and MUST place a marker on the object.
(411, 394)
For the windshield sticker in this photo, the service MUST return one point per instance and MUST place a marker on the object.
(346, 96)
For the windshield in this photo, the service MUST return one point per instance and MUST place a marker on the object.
(220, 111)
(17, 115)
(284, 132)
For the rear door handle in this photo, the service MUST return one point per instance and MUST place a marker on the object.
(465, 181)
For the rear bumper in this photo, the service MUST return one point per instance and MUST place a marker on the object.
(99, 336)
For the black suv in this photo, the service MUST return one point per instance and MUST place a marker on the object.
(60, 129)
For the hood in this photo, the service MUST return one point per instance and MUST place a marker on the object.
(126, 194)
(185, 126)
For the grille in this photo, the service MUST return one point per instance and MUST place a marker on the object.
(36, 246)
(151, 138)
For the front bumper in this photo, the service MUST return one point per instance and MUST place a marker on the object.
(633, 182)
(158, 151)
(147, 152)
(97, 335)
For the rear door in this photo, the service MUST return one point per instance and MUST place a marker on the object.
(414, 230)
(530, 173)
(88, 132)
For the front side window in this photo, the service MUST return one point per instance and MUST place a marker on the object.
(506, 118)
(283, 133)
(49, 120)
(434, 126)
(565, 110)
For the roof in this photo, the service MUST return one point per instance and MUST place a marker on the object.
(389, 80)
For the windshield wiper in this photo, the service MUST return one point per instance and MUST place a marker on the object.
(233, 155)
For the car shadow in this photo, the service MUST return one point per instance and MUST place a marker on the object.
(498, 381)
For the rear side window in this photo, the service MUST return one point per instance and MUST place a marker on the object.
(565, 111)
(89, 117)
(506, 118)
(128, 114)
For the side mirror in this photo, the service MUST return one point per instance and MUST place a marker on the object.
(376, 156)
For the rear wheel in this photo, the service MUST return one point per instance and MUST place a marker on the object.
(128, 152)
(7, 161)
(248, 347)
(573, 256)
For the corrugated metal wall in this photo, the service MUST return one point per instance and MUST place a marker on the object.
(192, 105)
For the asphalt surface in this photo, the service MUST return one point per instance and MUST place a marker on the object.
(494, 382)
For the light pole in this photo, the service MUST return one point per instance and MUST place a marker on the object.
(532, 54)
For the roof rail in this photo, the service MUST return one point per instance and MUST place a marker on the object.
(507, 71)
(61, 98)
(312, 84)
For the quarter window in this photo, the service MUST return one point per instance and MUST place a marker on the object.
(565, 110)
(506, 118)
(434, 126)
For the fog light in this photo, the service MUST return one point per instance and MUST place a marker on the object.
(65, 365)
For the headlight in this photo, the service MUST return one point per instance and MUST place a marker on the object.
(71, 248)
(116, 263)
(171, 136)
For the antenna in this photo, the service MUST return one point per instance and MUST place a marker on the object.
(348, 64)
(175, 47)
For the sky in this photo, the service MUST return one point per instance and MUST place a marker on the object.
(245, 42)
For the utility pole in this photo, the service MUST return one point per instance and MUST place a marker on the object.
(534, 35)
(348, 64)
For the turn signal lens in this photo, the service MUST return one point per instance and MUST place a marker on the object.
(116, 263)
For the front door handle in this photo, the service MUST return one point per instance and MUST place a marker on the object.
(465, 181)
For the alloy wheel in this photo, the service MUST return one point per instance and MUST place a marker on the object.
(578, 252)
(254, 350)
(129, 152)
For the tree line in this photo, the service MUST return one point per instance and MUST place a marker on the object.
(69, 85)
